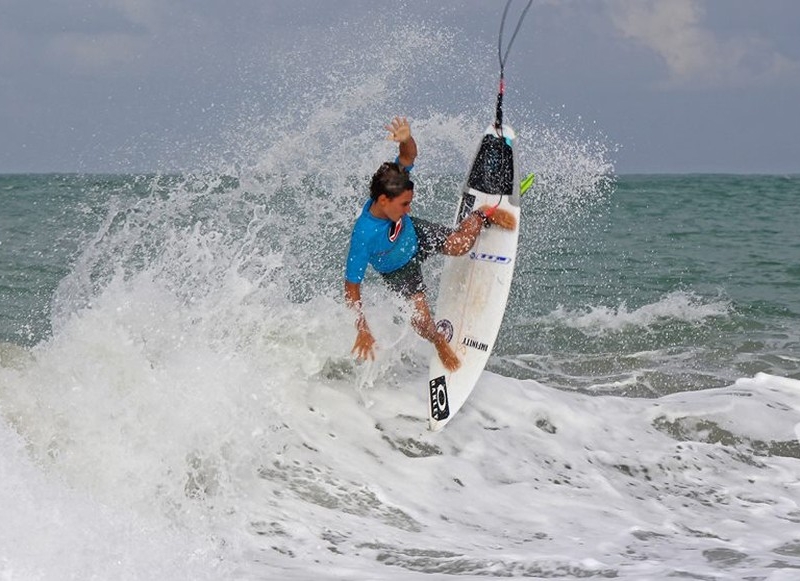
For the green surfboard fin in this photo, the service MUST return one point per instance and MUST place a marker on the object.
(526, 183)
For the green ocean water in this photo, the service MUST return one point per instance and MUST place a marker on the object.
(662, 284)
(678, 282)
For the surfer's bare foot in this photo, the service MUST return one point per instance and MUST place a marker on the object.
(446, 354)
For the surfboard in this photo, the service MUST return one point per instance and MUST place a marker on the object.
(474, 288)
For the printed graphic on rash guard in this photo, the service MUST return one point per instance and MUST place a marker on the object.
(395, 230)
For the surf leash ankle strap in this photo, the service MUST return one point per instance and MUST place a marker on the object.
(485, 215)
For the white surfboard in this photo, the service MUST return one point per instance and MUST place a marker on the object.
(474, 288)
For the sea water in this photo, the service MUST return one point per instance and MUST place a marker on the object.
(178, 399)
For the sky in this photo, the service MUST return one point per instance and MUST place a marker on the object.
(673, 86)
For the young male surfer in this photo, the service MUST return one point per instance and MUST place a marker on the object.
(396, 245)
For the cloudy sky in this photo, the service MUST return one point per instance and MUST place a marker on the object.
(671, 85)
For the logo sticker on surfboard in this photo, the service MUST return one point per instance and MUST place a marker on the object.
(440, 408)
(475, 344)
(496, 258)
(445, 328)
(467, 203)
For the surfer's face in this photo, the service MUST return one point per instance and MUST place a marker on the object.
(396, 207)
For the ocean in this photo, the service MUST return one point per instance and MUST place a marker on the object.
(178, 399)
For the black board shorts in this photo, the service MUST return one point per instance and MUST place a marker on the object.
(407, 280)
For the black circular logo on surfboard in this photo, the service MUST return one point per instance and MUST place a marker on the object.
(445, 328)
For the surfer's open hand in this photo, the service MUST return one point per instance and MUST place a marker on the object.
(364, 347)
(399, 130)
(502, 218)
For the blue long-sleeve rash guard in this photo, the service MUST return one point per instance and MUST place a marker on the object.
(378, 242)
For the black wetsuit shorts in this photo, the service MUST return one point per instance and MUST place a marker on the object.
(407, 280)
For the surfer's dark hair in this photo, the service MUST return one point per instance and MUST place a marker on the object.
(390, 180)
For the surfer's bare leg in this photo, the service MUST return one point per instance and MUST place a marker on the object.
(463, 239)
(423, 324)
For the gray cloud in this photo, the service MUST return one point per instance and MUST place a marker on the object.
(695, 54)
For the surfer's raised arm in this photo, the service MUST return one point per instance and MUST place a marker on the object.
(400, 132)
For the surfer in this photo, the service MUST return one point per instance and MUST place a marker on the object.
(396, 244)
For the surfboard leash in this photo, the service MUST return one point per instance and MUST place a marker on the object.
(498, 123)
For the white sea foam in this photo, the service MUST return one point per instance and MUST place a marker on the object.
(204, 456)
(52, 530)
(675, 306)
